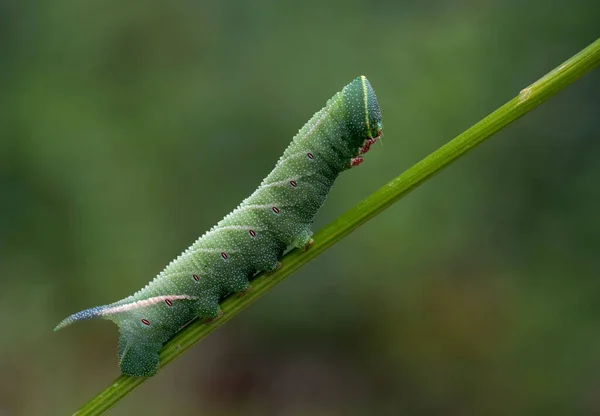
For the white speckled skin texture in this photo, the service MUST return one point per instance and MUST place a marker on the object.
(277, 216)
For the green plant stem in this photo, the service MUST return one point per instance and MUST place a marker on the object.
(525, 101)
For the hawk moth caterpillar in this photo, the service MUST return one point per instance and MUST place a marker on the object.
(250, 239)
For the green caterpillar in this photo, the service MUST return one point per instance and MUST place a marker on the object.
(252, 238)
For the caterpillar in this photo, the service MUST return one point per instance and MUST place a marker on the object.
(252, 238)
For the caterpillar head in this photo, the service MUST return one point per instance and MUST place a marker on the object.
(364, 114)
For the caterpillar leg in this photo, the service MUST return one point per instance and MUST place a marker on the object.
(237, 284)
(307, 246)
(304, 240)
(278, 266)
(367, 143)
(137, 357)
(209, 310)
(355, 161)
(244, 292)
(269, 263)
(209, 321)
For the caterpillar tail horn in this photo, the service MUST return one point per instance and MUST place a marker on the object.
(137, 357)
(95, 312)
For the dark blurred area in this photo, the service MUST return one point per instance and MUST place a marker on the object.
(131, 128)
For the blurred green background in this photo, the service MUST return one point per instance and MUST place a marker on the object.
(130, 129)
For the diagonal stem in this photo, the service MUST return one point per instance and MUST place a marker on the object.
(525, 101)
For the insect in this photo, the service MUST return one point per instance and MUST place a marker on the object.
(252, 238)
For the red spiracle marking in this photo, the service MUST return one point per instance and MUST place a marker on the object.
(146, 322)
(196, 278)
(293, 183)
(168, 302)
(224, 255)
(275, 210)
(310, 155)
(252, 233)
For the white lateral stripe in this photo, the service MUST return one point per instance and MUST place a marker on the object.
(185, 273)
(193, 261)
(225, 228)
(208, 250)
(231, 228)
(212, 250)
(234, 227)
(292, 156)
(316, 125)
(145, 303)
(285, 182)
(306, 136)
(256, 206)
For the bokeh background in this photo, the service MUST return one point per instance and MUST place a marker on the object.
(130, 128)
